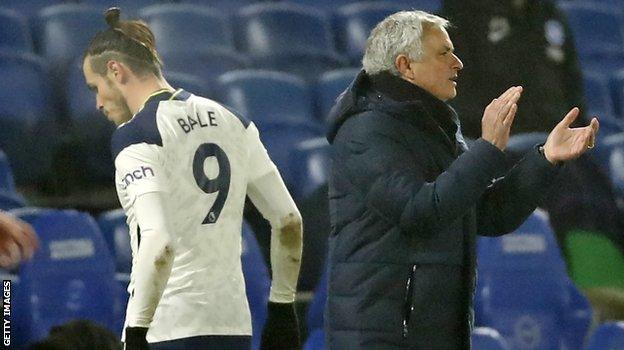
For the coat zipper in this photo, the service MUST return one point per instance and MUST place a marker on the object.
(408, 304)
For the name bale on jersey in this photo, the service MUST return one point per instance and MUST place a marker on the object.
(135, 175)
(190, 123)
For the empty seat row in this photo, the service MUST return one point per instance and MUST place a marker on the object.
(271, 34)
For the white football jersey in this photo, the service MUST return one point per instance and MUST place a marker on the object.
(201, 157)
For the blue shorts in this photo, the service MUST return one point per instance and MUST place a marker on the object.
(205, 342)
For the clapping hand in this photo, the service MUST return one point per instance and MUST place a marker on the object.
(498, 117)
(565, 143)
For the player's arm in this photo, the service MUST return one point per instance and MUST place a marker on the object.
(267, 191)
(153, 265)
(154, 257)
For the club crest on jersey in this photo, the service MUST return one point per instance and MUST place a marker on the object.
(137, 174)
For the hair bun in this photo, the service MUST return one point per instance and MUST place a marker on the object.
(112, 16)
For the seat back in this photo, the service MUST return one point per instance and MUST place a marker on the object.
(257, 282)
(115, 231)
(71, 276)
(608, 336)
(484, 338)
(523, 289)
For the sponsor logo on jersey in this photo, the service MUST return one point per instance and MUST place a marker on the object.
(135, 175)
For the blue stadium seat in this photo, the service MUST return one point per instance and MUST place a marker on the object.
(616, 87)
(65, 31)
(280, 140)
(14, 31)
(121, 301)
(92, 128)
(206, 66)
(115, 232)
(288, 37)
(314, 317)
(354, 23)
(329, 86)
(229, 6)
(267, 97)
(29, 8)
(598, 34)
(7, 183)
(310, 165)
(597, 94)
(608, 336)
(616, 166)
(484, 338)
(257, 282)
(71, 275)
(27, 115)
(524, 291)
(10, 201)
(129, 8)
(188, 29)
(315, 340)
(188, 82)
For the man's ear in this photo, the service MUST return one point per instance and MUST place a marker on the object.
(402, 64)
(116, 71)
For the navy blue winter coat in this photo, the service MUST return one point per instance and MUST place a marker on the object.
(407, 199)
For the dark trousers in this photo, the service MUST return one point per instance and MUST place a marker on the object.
(206, 342)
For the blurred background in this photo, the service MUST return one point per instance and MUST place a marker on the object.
(556, 283)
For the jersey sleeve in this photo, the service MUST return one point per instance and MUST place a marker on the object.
(259, 163)
(139, 170)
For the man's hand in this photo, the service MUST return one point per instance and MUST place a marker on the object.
(135, 338)
(565, 143)
(498, 117)
(18, 241)
(281, 330)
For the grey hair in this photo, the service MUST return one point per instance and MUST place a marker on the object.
(399, 33)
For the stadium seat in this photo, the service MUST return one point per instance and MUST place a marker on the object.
(288, 37)
(608, 336)
(279, 140)
(188, 29)
(597, 31)
(121, 301)
(354, 23)
(29, 8)
(616, 89)
(65, 31)
(70, 276)
(484, 338)
(14, 31)
(329, 86)
(129, 8)
(91, 128)
(115, 232)
(616, 167)
(7, 183)
(228, 6)
(27, 115)
(189, 83)
(315, 340)
(257, 282)
(10, 201)
(597, 94)
(267, 97)
(310, 165)
(266, 28)
(206, 66)
(314, 317)
(524, 292)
